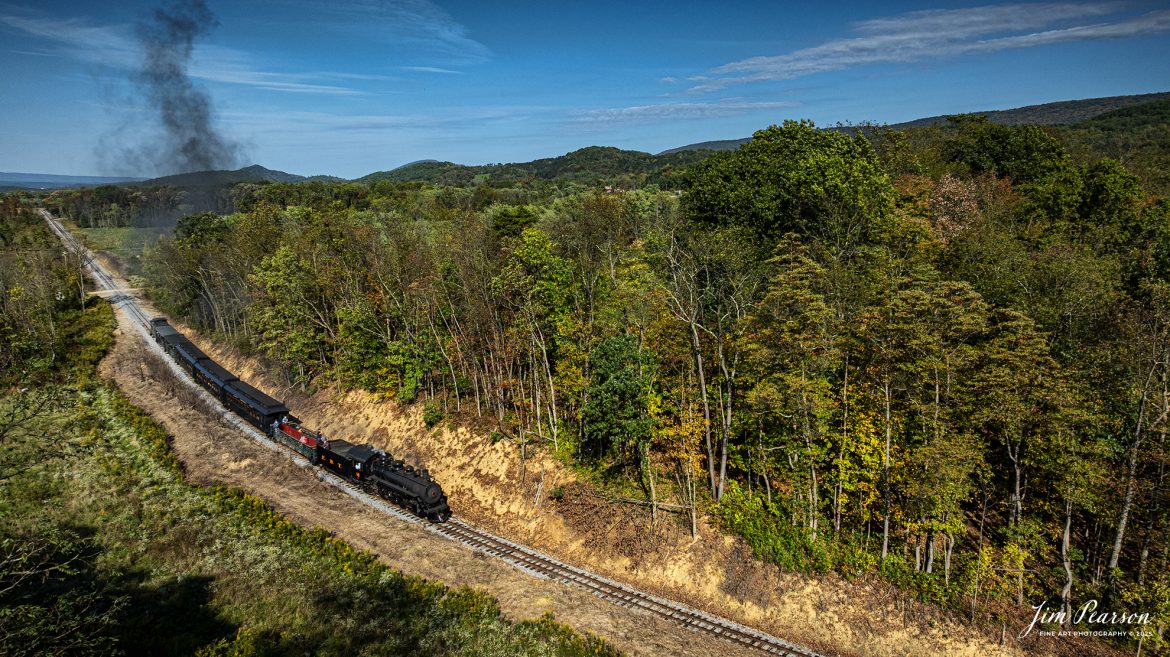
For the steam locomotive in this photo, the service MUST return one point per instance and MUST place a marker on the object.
(373, 469)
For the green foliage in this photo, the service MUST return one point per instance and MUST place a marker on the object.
(286, 312)
(616, 417)
(109, 206)
(1129, 118)
(770, 532)
(1138, 135)
(433, 413)
(794, 179)
(53, 599)
(199, 229)
(145, 427)
(44, 331)
(511, 220)
(1023, 153)
(594, 165)
(534, 278)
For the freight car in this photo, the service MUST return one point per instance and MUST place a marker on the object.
(375, 470)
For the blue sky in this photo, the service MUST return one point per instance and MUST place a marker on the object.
(348, 88)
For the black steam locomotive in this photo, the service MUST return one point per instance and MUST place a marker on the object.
(375, 470)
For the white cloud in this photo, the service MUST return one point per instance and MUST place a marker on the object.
(231, 66)
(935, 33)
(420, 25)
(112, 45)
(116, 46)
(675, 111)
(429, 69)
(311, 124)
(1151, 23)
(972, 21)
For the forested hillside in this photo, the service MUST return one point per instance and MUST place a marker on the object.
(1061, 113)
(588, 166)
(944, 360)
(1139, 136)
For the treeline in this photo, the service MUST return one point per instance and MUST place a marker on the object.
(591, 166)
(1137, 135)
(943, 359)
(41, 291)
(111, 206)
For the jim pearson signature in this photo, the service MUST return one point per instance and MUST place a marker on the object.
(1086, 613)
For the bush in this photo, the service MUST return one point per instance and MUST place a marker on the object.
(769, 531)
(432, 413)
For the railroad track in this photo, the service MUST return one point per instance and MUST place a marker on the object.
(101, 275)
(541, 565)
(522, 557)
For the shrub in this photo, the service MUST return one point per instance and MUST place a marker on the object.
(769, 531)
(432, 413)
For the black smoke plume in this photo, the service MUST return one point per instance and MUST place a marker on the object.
(192, 142)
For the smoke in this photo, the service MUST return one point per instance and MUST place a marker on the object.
(191, 140)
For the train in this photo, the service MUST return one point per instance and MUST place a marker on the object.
(372, 469)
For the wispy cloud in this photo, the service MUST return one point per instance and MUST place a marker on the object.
(32, 53)
(116, 46)
(675, 111)
(935, 33)
(231, 66)
(448, 119)
(420, 27)
(312, 123)
(429, 69)
(112, 45)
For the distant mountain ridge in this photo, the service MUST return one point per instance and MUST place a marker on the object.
(1063, 112)
(19, 180)
(586, 165)
(254, 173)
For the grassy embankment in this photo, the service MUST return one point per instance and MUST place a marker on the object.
(126, 244)
(104, 549)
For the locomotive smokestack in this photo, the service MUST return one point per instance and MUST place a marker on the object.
(192, 142)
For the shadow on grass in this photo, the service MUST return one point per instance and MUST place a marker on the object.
(174, 617)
